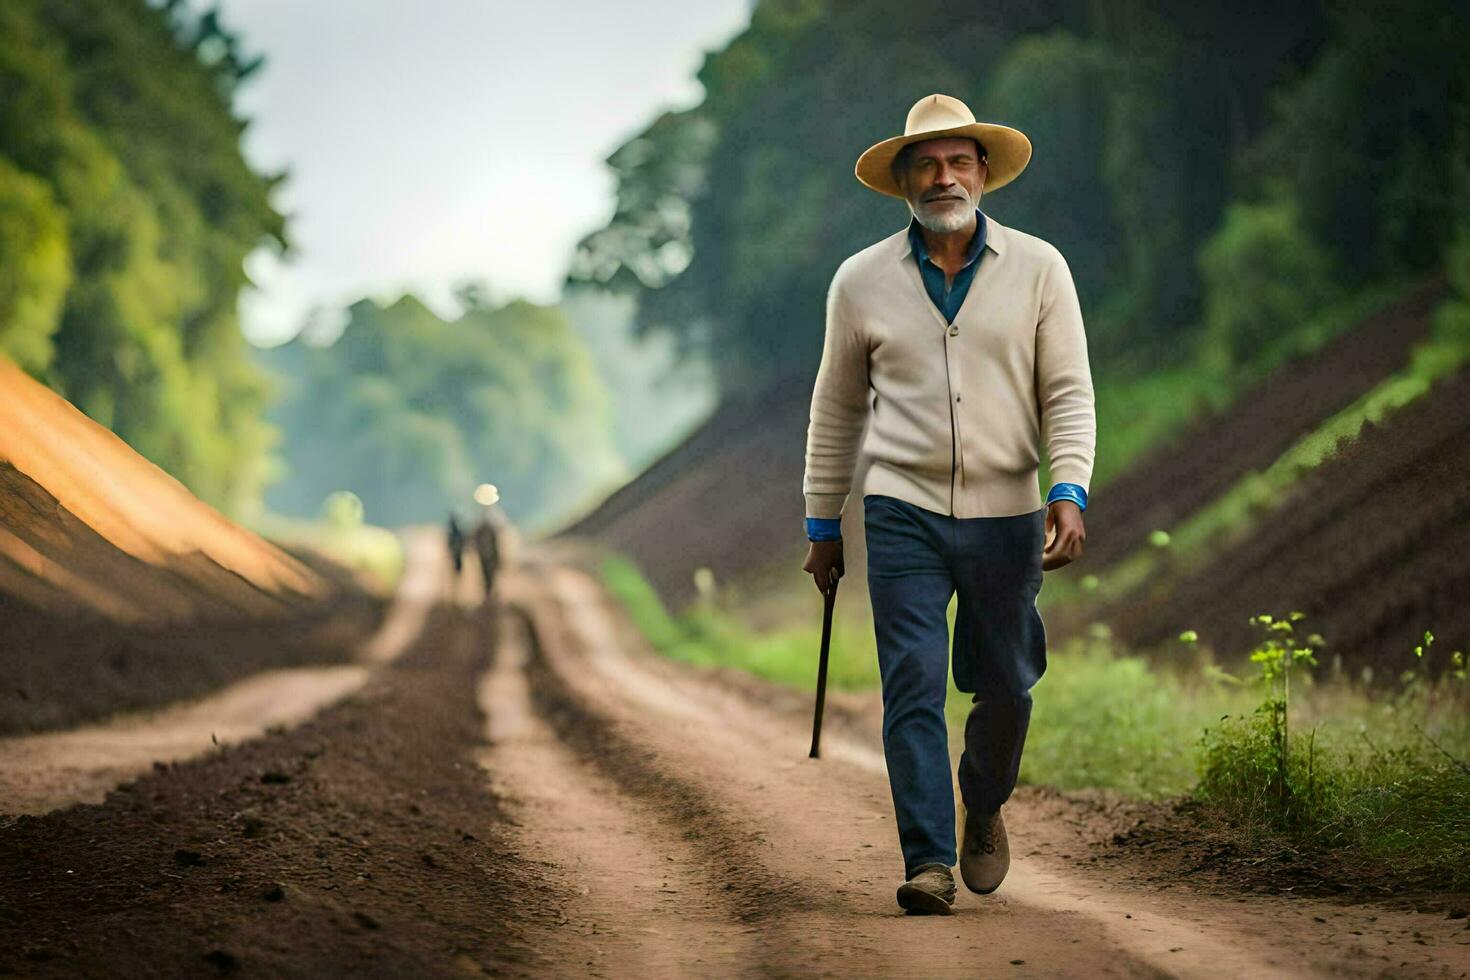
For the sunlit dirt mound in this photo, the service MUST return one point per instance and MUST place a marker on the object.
(1372, 547)
(120, 589)
(87, 523)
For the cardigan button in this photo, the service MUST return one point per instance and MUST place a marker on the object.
(954, 331)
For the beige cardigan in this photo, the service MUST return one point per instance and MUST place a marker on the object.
(958, 412)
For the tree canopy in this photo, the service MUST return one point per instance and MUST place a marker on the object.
(411, 412)
(1149, 121)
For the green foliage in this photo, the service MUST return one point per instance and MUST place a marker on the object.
(1263, 277)
(126, 212)
(1055, 86)
(1371, 141)
(1103, 718)
(37, 270)
(733, 215)
(1277, 655)
(707, 636)
(411, 412)
(762, 169)
(1382, 780)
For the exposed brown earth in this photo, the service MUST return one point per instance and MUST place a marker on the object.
(119, 590)
(531, 792)
(1208, 456)
(364, 843)
(1371, 547)
(64, 670)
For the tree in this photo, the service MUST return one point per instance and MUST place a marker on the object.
(130, 210)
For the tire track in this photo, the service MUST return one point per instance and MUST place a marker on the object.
(645, 903)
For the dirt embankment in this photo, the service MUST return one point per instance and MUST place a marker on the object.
(120, 590)
(1204, 460)
(87, 629)
(1371, 547)
(728, 498)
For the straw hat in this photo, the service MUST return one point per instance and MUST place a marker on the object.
(937, 117)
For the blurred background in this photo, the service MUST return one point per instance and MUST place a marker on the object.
(287, 251)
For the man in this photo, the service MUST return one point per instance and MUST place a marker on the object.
(456, 546)
(487, 547)
(959, 342)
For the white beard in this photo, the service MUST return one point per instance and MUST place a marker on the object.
(943, 221)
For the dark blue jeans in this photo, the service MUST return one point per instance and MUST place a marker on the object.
(918, 560)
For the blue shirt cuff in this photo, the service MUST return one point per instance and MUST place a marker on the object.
(824, 529)
(1068, 491)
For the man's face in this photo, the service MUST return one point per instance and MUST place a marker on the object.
(943, 181)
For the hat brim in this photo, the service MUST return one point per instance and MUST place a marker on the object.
(1007, 152)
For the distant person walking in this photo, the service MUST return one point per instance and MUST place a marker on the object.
(963, 338)
(487, 546)
(456, 546)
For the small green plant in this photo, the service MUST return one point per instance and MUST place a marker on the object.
(1251, 757)
(1278, 654)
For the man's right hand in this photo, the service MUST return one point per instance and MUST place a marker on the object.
(824, 561)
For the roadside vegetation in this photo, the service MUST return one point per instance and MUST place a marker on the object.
(341, 534)
(1282, 750)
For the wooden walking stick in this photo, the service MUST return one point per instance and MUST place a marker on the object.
(828, 602)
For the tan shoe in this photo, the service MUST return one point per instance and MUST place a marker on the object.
(985, 852)
(929, 892)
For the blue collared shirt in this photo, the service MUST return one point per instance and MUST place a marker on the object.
(948, 297)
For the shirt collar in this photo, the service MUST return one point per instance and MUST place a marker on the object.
(913, 240)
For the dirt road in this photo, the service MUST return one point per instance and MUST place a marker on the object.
(528, 792)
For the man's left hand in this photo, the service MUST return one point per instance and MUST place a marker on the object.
(1064, 535)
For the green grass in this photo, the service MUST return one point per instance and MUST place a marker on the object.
(710, 637)
(1383, 779)
(1104, 719)
(373, 550)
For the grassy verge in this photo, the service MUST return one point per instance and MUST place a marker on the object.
(1374, 775)
(1383, 778)
(708, 636)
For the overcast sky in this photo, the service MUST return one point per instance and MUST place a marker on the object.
(432, 141)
